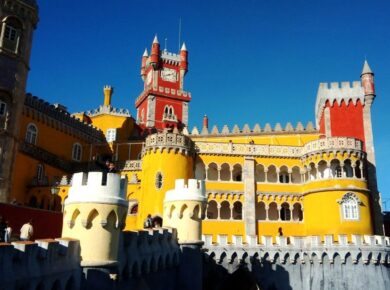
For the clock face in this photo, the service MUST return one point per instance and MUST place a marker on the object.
(149, 77)
(168, 74)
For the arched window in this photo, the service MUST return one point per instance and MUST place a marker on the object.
(271, 174)
(133, 209)
(169, 114)
(358, 172)
(11, 34)
(260, 174)
(336, 168)
(285, 213)
(323, 169)
(31, 134)
(297, 212)
(273, 213)
(350, 206)
(212, 210)
(296, 175)
(76, 152)
(283, 175)
(312, 172)
(348, 168)
(225, 210)
(237, 210)
(237, 172)
(212, 172)
(225, 172)
(159, 180)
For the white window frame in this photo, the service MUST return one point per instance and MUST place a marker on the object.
(350, 209)
(77, 152)
(111, 134)
(31, 137)
(3, 108)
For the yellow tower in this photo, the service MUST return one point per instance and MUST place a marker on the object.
(184, 209)
(95, 211)
(166, 157)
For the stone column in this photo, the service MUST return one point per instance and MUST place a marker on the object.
(250, 196)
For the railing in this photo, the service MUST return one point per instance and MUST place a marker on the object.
(167, 140)
(333, 143)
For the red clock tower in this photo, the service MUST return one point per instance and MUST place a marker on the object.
(163, 103)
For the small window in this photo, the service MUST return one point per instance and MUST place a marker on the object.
(350, 207)
(3, 108)
(111, 135)
(31, 134)
(284, 178)
(76, 152)
(40, 172)
(159, 180)
(285, 213)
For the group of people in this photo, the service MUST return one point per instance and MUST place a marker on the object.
(26, 231)
(150, 222)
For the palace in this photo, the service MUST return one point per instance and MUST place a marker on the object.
(261, 183)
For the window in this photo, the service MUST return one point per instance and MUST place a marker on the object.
(284, 178)
(76, 152)
(40, 172)
(285, 213)
(31, 134)
(111, 135)
(159, 180)
(350, 207)
(3, 108)
(11, 35)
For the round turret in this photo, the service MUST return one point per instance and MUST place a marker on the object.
(184, 209)
(95, 212)
(166, 157)
(155, 52)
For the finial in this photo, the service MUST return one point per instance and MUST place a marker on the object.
(183, 47)
(366, 68)
(155, 40)
(145, 52)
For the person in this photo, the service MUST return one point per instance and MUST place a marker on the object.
(8, 233)
(111, 168)
(27, 231)
(280, 231)
(2, 229)
(148, 222)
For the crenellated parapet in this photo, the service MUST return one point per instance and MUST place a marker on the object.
(43, 264)
(256, 130)
(335, 93)
(365, 249)
(58, 117)
(169, 141)
(148, 251)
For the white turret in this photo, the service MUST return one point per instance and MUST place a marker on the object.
(95, 212)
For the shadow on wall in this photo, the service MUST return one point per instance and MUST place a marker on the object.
(263, 275)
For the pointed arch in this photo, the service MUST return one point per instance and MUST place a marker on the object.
(92, 217)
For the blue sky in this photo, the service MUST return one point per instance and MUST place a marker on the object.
(250, 61)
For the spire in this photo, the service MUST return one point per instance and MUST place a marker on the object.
(145, 52)
(183, 47)
(155, 40)
(366, 68)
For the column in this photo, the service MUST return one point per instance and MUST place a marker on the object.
(219, 211)
(219, 172)
(265, 174)
(250, 196)
(277, 175)
(231, 211)
(289, 176)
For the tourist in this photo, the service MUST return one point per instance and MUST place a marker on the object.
(111, 168)
(26, 232)
(148, 224)
(8, 233)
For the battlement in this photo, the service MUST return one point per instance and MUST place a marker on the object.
(108, 110)
(256, 130)
(107, 87)
(148, 251)
(42, 264)
(338, 92)
(170, 57)
(362, 249)
(193, 189)
(97, 187)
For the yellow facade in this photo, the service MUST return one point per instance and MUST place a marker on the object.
(301, 184)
